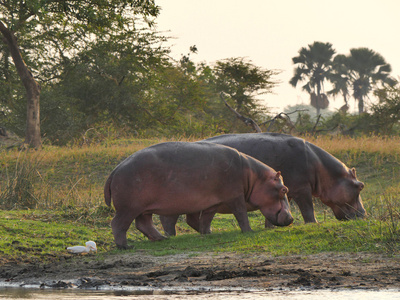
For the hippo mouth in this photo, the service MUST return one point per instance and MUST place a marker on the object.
(282, 218)
(348, 212)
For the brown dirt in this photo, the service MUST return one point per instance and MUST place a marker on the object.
(246, 271)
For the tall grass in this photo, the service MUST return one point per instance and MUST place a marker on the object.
(18, 190)
(58, 177)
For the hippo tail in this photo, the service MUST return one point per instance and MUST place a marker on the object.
(107, 190)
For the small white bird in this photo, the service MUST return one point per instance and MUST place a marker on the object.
(90, 246)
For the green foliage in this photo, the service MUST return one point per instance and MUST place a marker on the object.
(136, 89)
(242, 81)
(382, 119)
(50, 36)
(385, 116)
(102, 65)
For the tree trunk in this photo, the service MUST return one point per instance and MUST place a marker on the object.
(318, 100)
(360, 106)
(32, 134)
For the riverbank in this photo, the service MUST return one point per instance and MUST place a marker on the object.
(210, 270)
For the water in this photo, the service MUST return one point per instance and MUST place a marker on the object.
(203, 293)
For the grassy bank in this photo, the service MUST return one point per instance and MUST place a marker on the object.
(53, 198)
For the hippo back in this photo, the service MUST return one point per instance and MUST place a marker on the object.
(290, 155)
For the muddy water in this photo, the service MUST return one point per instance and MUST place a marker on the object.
(204, 293)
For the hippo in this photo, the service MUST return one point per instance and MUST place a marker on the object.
(307, 170)
(176, 178)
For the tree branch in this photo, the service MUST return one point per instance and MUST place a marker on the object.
(283, 116)
(316, 123)
(247, 121)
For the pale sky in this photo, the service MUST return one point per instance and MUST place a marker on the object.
(270, 33)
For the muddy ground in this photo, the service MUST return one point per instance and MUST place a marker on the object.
(320, 271)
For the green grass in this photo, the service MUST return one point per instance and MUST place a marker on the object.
(67, 207)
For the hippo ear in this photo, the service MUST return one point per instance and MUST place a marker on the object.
(278, 174)
(353, 172)
(360, 185)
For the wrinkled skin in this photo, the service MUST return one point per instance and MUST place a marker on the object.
(307, 170)
(192, 178)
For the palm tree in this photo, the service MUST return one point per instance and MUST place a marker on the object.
(340, 79)
(366, 69)
(314, 67)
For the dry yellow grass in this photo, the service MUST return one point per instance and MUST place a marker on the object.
(383, 145)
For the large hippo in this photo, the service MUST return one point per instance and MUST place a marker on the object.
(307, 170)
(187, 178)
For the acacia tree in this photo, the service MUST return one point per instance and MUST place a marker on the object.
(41, 36)
(314, 65)
(385, 114)
(243, 81)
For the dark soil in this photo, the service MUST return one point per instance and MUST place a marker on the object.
(320, 271)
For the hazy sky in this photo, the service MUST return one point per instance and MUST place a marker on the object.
(270, 33)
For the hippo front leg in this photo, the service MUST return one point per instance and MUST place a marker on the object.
(268, 224)
(239, 210)
(305, 203)
(168, 223)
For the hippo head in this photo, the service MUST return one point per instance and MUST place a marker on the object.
(344, 197)
(270, 196)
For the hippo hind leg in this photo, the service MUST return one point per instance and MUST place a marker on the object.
(144, 223)
(120, 225)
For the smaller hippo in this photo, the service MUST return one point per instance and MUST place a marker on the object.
(176, 178)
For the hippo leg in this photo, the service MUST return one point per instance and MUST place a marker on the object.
(193, 220)
(120, 225)
(144, 223)
(268, 224)
(205, 218)
(168, 223)
(239, 210)
(305, 203)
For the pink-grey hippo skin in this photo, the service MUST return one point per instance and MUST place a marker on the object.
(176, 178)
(307, 170)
